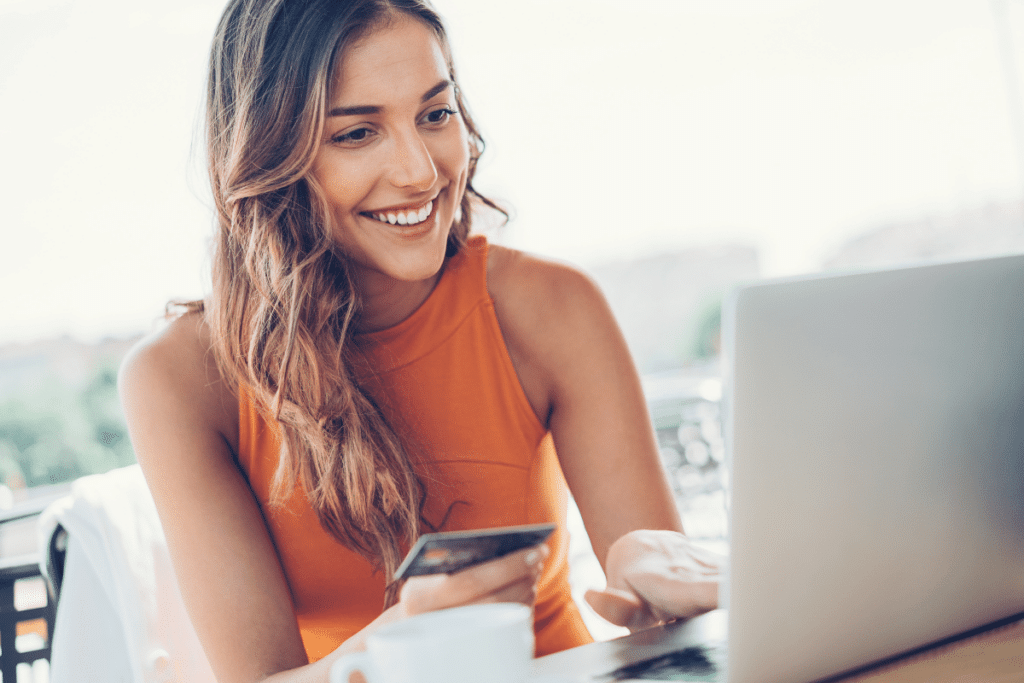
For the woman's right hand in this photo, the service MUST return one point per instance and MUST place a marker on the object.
(512, 578)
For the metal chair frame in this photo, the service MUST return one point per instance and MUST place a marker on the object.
(20, 567)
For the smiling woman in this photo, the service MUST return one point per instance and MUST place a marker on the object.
(364, 370)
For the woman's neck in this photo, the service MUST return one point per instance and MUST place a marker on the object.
(385, 301)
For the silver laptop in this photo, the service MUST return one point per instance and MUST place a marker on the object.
(875, 436)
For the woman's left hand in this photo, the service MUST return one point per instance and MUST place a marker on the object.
(657, 576)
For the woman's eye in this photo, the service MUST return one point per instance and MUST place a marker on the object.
(353, 137)
(439, 116)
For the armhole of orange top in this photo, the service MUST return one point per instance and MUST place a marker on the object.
(506, 357)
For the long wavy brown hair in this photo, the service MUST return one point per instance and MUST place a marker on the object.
(283, 304)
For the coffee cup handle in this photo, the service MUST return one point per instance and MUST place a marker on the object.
(353, 661)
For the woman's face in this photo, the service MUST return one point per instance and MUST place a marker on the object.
(395, 153)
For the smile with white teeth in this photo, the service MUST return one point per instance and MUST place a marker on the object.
(409, 217)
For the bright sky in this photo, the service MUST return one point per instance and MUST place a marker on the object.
(614, 128)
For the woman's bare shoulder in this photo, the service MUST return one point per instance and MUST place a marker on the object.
(180, 351)
(174, 370)
(545, 303)
(556, 324)
(538, 286)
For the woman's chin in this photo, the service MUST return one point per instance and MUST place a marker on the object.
(405, 253)
(411, 262)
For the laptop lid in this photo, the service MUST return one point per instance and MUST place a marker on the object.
(875, 433)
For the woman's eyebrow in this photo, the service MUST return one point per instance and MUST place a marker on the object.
(364, 109)
(437, 89)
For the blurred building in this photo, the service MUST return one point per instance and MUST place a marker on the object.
(991, 230)
(668, 305)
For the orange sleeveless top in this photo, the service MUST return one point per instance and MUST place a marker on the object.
(444, 380)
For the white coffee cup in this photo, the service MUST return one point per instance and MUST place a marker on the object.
(470, 644)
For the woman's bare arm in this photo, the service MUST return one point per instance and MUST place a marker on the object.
(577, 372)
(184, 427)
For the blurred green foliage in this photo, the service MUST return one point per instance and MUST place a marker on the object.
(703, 341)
(59, 433)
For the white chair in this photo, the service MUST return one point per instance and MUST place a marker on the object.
(120, 616)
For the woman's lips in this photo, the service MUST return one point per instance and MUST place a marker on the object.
(411, 216)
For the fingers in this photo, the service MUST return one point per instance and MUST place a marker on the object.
(512, 578)
(619, 607)
(670, 575)
(672, 597)
(421, 594)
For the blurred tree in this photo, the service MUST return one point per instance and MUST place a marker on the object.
(705, 338)
(102, 408)
(60, 433)
(11, 473)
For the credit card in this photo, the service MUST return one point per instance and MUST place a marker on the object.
(447, 552)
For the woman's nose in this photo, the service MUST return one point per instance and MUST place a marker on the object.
(413, 164)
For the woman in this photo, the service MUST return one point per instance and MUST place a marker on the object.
(363, 371)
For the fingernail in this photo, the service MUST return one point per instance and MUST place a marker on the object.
(532, 557)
